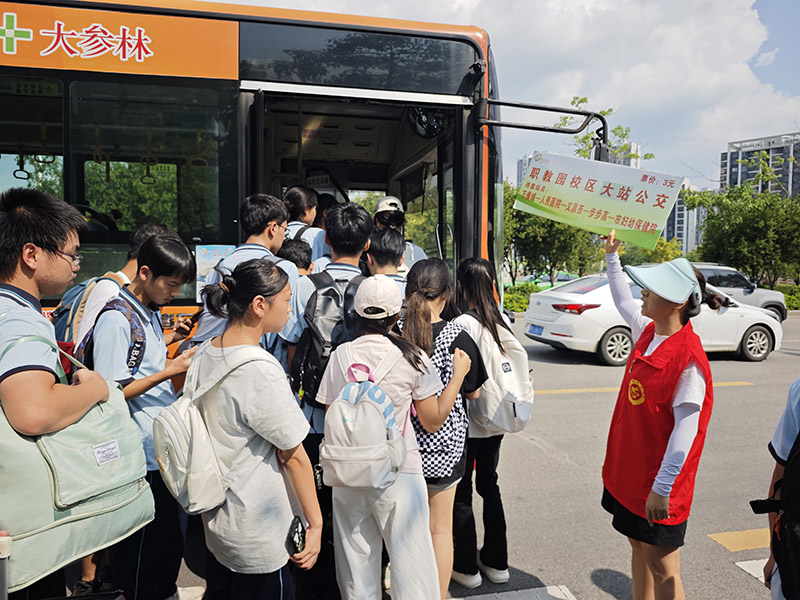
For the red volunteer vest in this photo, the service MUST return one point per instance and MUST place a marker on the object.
(643, 421)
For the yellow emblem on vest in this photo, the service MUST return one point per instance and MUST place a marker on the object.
(635, 392)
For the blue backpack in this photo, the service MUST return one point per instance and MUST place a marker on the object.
(84, 351)
(67, 315)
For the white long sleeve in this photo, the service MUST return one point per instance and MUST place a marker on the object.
(628, 308)
(688, 400)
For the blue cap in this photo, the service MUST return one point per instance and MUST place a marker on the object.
(674, 281)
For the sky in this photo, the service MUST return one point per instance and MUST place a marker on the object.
(687, 76)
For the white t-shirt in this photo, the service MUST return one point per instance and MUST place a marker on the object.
(103, 291)
(403, 383)
(250, 415)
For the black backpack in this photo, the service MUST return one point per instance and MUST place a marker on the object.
(786, 534)
(330, 318)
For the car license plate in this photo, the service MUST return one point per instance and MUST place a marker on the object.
(535, 330)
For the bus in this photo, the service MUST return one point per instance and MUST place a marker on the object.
(173, 111)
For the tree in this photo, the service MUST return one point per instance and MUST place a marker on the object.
(663, 252)
(756, 232)
(619, 140)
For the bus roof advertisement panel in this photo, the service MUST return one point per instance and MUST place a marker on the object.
(51, 37)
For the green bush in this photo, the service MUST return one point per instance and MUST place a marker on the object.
(792, 293)
(516, 297)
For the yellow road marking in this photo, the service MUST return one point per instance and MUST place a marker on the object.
(748, 539)
(616, 389)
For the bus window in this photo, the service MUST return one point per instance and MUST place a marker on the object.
(152, 154)
(31, 134)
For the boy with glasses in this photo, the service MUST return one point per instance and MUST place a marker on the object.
(38, 256)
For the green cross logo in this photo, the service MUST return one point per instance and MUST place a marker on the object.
(10, 34)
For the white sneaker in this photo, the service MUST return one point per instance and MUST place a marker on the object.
(468, 581)
(494, 575)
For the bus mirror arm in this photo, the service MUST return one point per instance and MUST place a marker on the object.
(600, 141)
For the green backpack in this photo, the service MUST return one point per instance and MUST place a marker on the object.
(73, 492)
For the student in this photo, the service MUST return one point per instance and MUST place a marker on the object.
(662, 410)
(256, 437)
(477, 288)
(325, 202)
(781, 445)
(146, 564)
(297, 252)
(301, 202)
(429, 289)
(398, 514)
(38, 256)
(264, 220)
(347, 230)
(105, 290)
(389, 214)
(385, 255)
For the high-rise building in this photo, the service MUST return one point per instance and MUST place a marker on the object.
(523, 166)
(685, 224)
(628, 160)
(734, 167)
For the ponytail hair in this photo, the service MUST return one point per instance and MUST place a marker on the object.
(478, 285)
(411, 353)
(427, 280)
(692, 308)
(233, 294)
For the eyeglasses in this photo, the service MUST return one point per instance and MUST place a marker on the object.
(285, 227)
(76, 259)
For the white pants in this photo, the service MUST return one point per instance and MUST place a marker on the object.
(399, 515)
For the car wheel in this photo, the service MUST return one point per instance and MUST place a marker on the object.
(615, 346)
(756, 343)
(777, 311)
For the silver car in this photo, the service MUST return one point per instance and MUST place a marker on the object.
(740, 288)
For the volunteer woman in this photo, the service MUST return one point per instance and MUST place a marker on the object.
(660, 419)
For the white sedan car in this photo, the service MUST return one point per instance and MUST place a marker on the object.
(580, 315)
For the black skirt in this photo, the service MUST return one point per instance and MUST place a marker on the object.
(438, 484)
(637, 528)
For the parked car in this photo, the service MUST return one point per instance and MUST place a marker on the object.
(580, 315)
(740, 288)
(543, 281)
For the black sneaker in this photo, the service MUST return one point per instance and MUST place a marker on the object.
(83, 588)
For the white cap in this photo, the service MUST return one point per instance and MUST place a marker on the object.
(378, 297)
(388, 203)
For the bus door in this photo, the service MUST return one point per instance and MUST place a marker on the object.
(364, 146)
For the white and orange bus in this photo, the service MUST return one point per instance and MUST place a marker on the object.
(172, 111)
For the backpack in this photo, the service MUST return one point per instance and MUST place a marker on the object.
(330, 318)
(184, 450)
(72, 492)
(84, 351)
(785, 540)
(67, 315)
(363, 445)
(506, 398)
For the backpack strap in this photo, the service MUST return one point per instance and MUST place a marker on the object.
(198, 384)
(62, 377)
(138, 338)
(77, 312)
(300, 232)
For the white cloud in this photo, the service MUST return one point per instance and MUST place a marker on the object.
(678, 74)
(766, 58)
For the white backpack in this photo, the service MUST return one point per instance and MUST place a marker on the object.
(185, 453)
(363, 445)
(506, 398)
